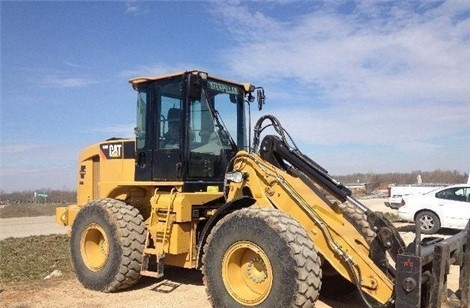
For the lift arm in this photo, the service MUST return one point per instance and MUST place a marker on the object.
(421, 270)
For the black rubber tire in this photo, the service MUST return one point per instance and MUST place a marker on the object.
(428, 222)
(294, 260)
(124, 229)
(358, 219)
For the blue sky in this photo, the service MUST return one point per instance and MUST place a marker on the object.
(362, 86)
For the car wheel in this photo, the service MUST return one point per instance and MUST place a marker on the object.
(428, 222)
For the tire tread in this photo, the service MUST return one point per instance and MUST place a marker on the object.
(130, 234)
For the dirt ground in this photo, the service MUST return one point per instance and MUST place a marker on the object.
(179, 288)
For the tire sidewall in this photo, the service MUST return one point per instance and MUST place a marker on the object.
(102, 279)
(257, 231)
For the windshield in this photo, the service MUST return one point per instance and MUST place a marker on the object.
(217, 119)
(216, 129)
(228, 102)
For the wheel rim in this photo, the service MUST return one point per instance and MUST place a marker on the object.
(247, 273)
(94, 247)
(427, 222)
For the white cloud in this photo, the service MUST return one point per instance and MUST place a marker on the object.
(157, 69)
(54, 176)
(36, 165)
(348, 58)
(381, 74)
(14, 149)
(66, 82)
(132, 8)
(388, 62)
(116, 130)
(379, 125)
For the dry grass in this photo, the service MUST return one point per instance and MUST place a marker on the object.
(28, 210)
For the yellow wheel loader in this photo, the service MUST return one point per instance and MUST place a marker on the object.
(266, 225)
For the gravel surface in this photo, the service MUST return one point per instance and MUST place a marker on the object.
(27, 226)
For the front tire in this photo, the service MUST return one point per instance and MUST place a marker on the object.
(106, 244)
(335, 286)
(358, 219)
(260, 258)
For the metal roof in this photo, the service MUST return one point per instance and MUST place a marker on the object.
(138, 80)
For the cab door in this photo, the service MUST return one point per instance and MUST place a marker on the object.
(158, 131)
(167, 158)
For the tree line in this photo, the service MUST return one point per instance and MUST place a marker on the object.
(437, 176)
(28, 196)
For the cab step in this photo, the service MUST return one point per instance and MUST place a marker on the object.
(160, 264)
(151, 274)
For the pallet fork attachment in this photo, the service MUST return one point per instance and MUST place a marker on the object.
(421, 279)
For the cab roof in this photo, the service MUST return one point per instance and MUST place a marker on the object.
(138, 80)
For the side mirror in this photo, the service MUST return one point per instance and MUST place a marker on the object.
(194, 86)
(261, 98)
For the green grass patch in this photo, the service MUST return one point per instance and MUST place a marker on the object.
(34, 257)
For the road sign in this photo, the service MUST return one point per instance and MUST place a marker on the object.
(41, 195)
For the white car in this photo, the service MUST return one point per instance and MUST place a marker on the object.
(396, 193)
(447, 207)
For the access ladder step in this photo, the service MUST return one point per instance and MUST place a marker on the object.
(150, 251)
(151, 274)
(159, 263)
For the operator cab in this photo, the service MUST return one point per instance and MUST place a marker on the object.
(189, 126)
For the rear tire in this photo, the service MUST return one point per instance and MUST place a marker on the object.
(428, 222)
(260, 258)
(106, 244)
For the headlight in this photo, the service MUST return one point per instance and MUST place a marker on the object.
(236, 176)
